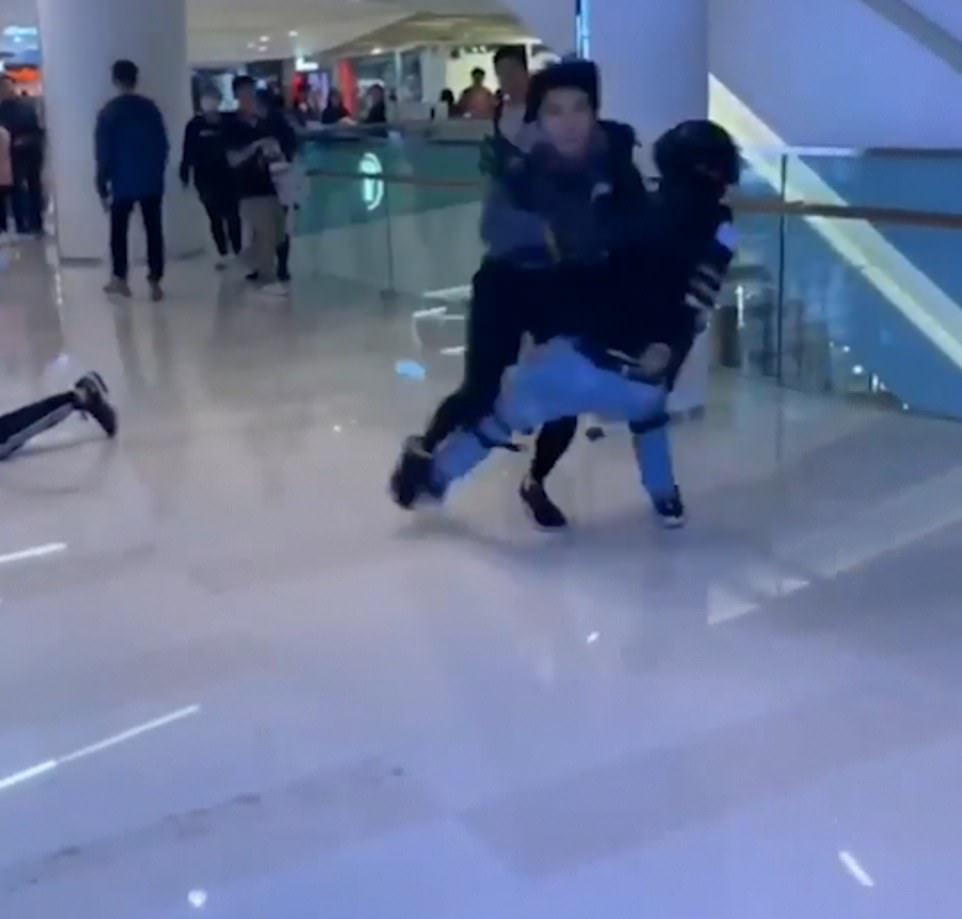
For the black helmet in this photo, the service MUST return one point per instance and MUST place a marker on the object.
(573, 74)
(698, 151)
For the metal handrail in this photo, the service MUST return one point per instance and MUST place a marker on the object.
(755, 205)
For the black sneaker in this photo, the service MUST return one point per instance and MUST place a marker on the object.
(411, 478)
(91, 393)
(545, 513)
(671, 511)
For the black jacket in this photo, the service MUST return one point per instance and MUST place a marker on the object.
(204, 155)
(252, 176)
(662, 285)
(20, 118)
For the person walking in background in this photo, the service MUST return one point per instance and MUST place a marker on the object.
(376, 105)
(449, 105)
(477, 101)
(511, 66)
(20, 119)
(6, 183)
(335, 111)
(254, 141)
(272, 109)
(132, 152)
(205, 159)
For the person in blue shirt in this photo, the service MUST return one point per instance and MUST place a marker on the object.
(132, 150)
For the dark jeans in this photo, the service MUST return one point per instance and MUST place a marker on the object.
(16, 428)
(28, 191)
(223, 211)
(152, 210)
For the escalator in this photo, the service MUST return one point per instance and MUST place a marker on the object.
(883, 301)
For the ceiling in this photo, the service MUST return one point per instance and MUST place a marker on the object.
(232, 30)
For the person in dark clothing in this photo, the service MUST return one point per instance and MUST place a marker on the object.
(589, 189)
(255, 139)
(681, 218)
(19, 117)
(205, 159)
(132, 150)
(335, 111)
(88, 397)
(376, 105)
(622, 360)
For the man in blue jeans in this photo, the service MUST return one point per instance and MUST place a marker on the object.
(646, 307)
(132, 150)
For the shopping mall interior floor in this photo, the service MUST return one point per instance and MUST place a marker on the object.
(234, 679)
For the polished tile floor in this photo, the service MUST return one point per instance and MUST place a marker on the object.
(235, 682)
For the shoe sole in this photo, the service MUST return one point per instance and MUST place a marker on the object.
(672, 523)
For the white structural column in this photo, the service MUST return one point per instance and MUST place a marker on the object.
(80, 40)
(654, 60)
(654, 64)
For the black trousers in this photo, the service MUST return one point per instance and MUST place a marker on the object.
(152, 211)
(223, 212)
(5, 196)
(20, 426)
(507, 303)
(28, 190)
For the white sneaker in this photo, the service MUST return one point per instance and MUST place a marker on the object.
(276, 289)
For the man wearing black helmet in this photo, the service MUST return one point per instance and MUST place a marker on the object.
(559, 201)
(622, 360)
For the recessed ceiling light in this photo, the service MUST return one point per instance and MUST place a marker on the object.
(293, 33)
(377, 50)
(265, 38)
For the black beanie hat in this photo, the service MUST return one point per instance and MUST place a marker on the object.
(576, 74)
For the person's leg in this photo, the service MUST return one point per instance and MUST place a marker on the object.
(20, 426)
(281, 242)
(152, 210)
(34, 191)
(18, 194)
(284, 259)
(235, 229)
(555, 382)
(494, 333)
(259, 214)
(88, 396)
(652, 446)
(120, 212)
(217, 219)
(493, 343)
(4, 225)
(552, 443)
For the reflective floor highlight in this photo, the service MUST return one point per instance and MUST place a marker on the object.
(236, 682)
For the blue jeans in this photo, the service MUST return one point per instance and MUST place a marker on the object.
(558, 381)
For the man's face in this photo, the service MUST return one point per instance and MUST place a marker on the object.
(247, 100)
(512, 78)
(567, 120)
(478, 78)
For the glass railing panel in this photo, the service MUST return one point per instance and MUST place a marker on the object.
(871, 306)
(929, 181)
(854, 324)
